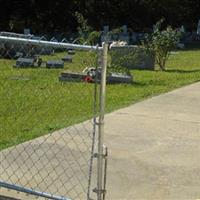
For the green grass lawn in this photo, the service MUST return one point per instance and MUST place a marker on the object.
(34, 103)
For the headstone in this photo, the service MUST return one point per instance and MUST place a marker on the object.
(198, 28)
(124, 29)
(182, 29)
(124, 37)
(55, 64)
(106, 29)
(71, 76)
(106, 38)
(134, 38)
(119, 78)
(154, 27)
(67, 58)
(71, 52)
(18, 55)
(132, 57)
(25, 62)
(180, 45)
(27, 31)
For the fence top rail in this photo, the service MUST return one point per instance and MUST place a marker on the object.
(48, 43)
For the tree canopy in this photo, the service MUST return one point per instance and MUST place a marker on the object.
(59, 15)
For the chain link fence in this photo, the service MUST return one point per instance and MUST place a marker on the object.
(46, 86)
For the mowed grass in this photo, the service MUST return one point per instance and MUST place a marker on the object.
(34, 102)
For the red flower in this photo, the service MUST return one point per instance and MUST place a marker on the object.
(88, 79)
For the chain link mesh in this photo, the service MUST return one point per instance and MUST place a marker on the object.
(38, 101)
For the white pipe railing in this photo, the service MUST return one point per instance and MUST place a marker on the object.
(48, 43)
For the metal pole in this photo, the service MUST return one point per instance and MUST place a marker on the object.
(14, 40)
(30, 191)
(101, 124)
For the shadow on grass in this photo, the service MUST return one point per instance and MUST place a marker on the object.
(182, 71)
(138, 84)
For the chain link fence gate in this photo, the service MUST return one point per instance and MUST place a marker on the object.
(44, 88)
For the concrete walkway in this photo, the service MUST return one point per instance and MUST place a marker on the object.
(154, 148)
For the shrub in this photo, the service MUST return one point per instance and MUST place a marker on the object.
(93, 38)
(161, 42)
(83, 28)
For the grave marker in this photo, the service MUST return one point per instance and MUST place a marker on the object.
(71, 52)
(182, 29)
(67, 58)
(106, 29)
(27, 31)
(24, 62)
(55, 64)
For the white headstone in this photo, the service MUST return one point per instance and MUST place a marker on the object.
(27, 31)
(198, 28)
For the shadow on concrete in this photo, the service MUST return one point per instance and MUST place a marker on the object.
(7, 198)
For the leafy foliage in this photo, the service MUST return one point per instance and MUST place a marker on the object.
(83, 27)
(161, 42)
(93, 37)
(86, 33)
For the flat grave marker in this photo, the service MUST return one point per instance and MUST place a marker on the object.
(24, 62)
(55, 64)
(67, 58)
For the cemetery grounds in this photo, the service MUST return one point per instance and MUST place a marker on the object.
(44, 95)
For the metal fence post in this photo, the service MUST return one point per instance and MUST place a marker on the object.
(100, 190)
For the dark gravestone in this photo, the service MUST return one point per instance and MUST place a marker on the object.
(71, 52)
(119, 78)
(19, 55)
(70, 76)
(55, 64)
(67, 58)
(25, 62)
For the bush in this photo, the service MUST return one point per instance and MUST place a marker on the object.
(161, 42)
(93, 38)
